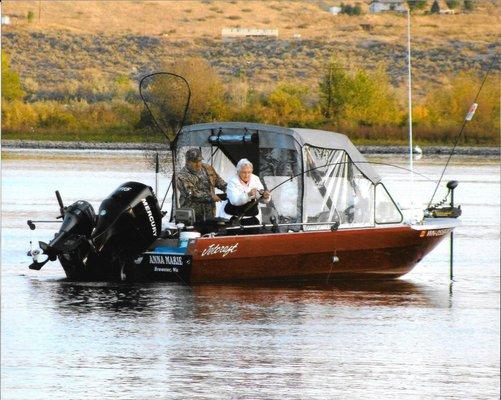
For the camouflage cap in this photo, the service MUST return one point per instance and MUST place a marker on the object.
(194, 155)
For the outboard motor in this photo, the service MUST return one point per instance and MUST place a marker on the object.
(78, 222)
(129, 220)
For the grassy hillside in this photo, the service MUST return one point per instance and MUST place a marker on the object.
(71, 39)
(79, 63)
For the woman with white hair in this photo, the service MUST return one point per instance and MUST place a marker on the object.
(244, 191)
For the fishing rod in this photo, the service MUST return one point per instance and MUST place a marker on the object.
(346, 162)
(468, 118)
(251, 204)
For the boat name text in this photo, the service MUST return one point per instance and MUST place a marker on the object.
(219, 249)
(166, 260)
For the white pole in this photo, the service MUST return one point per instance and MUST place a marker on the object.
(411, 164)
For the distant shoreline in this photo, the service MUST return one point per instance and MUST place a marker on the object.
(365, 149)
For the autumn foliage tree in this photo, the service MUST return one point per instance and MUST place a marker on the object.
(167, 95)
(446, 108)
(11, 84)
(360, 97)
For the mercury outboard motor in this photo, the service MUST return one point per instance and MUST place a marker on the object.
(128, 221)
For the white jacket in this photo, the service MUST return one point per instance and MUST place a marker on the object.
(237, 190)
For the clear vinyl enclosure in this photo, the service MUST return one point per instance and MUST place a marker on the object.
(316, 178)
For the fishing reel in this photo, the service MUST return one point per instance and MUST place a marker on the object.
(440, 210)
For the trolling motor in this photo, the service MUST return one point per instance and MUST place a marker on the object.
(78, 222)
(438, 210)
(94, 247)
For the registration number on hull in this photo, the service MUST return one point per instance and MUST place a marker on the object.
(434, 232)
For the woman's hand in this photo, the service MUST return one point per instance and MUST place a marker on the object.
(252, 193)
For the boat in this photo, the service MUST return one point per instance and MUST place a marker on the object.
(330, 218)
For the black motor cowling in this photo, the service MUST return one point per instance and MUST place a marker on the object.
(77, 226)
(128, 221)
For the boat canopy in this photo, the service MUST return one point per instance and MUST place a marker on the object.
(271, 136)
(315, 176)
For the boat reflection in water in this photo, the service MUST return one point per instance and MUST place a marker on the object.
(214, 301)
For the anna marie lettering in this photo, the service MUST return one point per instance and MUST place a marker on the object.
(218, 249)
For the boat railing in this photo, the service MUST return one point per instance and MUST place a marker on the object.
(332, 226)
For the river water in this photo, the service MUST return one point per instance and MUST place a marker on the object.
(418, 337)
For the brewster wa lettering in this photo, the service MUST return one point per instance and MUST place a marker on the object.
(214, 249)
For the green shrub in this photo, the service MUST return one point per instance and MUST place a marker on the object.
(416, 4)
(351, 10)
(469, 5)
(30, 16)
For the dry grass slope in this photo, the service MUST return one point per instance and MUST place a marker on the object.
(121, 37)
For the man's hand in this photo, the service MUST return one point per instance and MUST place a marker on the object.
(252, 193)
(266, 194)
(215, 198)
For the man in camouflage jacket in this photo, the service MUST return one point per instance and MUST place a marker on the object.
(196, 183)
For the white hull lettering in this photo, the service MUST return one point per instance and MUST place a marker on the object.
(438, 232)
(166, 260)
(150, 217)
(165, 269)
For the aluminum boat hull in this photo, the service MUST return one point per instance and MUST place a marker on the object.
(308, 257)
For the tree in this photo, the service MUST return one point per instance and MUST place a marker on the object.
(435, 8)
(11, 84)
(286, 105)
(469, 5)
(335, 90)
(372, 101)
(357, 10)
(447, 107)
(30, 16)
(351, 10)
(452, 3)
(167, 95)
(416, 4)
(362, 97)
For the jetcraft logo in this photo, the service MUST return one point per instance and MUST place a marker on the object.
(214, 249)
